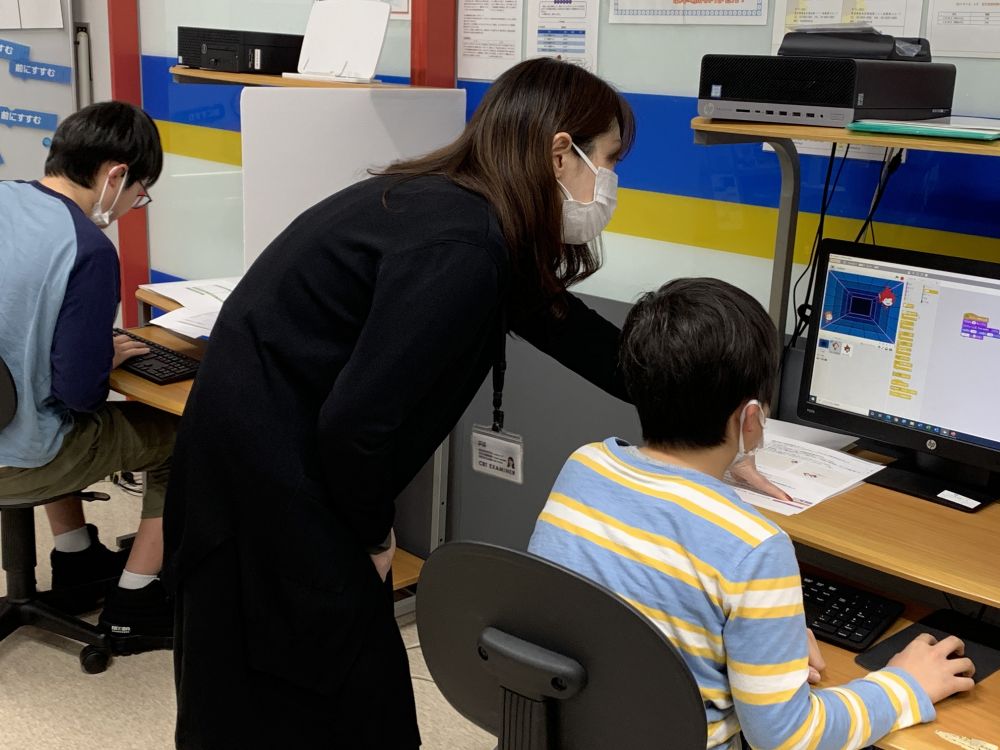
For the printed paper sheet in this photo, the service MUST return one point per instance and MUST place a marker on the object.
(706, 12)
(566, 29)
(489, 37)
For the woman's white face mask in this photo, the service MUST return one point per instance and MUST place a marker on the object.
(584, 222)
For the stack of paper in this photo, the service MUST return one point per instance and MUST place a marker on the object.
(809, 473)
(973, 128)
(200, 304)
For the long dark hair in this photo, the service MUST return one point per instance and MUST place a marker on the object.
(505, 155)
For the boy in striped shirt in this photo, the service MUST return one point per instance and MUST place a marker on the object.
(657, 525)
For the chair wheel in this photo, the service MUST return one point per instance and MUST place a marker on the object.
(94, 660)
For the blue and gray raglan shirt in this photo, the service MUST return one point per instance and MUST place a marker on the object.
(59, 293)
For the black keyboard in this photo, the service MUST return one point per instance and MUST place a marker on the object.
(161, 365)
(844, 616)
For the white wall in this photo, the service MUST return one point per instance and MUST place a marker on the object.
(196, 222)
(94, 13)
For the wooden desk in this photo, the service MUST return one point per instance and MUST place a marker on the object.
(405, 569)
(184, 74)
(172, 398)
(768, 131)
(974, 715)
(910, 538)
(147, 300)
(935, 546)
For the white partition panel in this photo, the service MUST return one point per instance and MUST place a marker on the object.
(301, 145)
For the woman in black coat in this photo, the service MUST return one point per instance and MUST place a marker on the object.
(341, 361)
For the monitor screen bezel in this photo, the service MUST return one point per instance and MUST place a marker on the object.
(894, 435)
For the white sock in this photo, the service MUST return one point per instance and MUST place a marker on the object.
(133, 581)
(76, 540)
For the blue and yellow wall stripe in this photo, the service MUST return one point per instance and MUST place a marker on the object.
(721, 197)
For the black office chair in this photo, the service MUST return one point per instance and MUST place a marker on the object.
(22, 605)
(545, 659)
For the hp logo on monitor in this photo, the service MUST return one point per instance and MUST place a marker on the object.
(931, 444)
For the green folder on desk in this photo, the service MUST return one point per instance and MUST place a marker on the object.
(971, 128)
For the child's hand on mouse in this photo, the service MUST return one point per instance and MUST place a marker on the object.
(940, 667)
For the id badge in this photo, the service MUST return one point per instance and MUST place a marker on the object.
(498, 454)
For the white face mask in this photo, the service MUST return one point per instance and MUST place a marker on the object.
(583, 222)
(742, 454)
(100, 217)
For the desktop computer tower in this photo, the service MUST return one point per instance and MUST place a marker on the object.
(238, 51)
(828, 91)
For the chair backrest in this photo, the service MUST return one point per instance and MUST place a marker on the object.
(544, 659)
(8, 395)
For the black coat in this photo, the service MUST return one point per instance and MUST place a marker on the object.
(341, 361)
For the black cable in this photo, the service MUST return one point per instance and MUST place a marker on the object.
(871, 228)
(951, 604)
(893, 165)
(819, 229)
(982, 612)
(802, 311)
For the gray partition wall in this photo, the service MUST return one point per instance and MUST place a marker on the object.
(555, 411)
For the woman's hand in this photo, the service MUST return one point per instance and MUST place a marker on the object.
(127, 347)
(383, 560)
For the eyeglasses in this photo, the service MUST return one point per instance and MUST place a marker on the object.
(143, 199)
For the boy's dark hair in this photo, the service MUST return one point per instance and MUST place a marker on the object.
(103, 132)
(691, 353)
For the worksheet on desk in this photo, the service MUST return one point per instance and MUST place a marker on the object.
(201, 294)
(809, 473)
(194, 324)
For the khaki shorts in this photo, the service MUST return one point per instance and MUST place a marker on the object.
(120, 436)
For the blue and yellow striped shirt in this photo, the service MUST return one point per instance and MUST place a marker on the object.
(722, 583)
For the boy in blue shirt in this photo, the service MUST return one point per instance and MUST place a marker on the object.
(657, 525)
(59, 294)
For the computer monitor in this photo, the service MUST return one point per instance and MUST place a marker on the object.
(904, 349)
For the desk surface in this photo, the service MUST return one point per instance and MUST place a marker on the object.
(184, 74)
(935, 546)
(157, 300)
(766, 131)
(170, 398)
(973, 715)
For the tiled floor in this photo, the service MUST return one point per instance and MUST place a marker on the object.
(48, 703)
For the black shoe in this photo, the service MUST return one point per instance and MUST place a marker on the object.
(139, 620)
(80, 580)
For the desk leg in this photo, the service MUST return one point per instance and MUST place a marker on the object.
(145, 313)
(788, 214)
(784, 241)
(439, 495)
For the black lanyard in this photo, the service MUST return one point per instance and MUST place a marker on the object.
(499, 369)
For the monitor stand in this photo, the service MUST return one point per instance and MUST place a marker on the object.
(960, 486)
